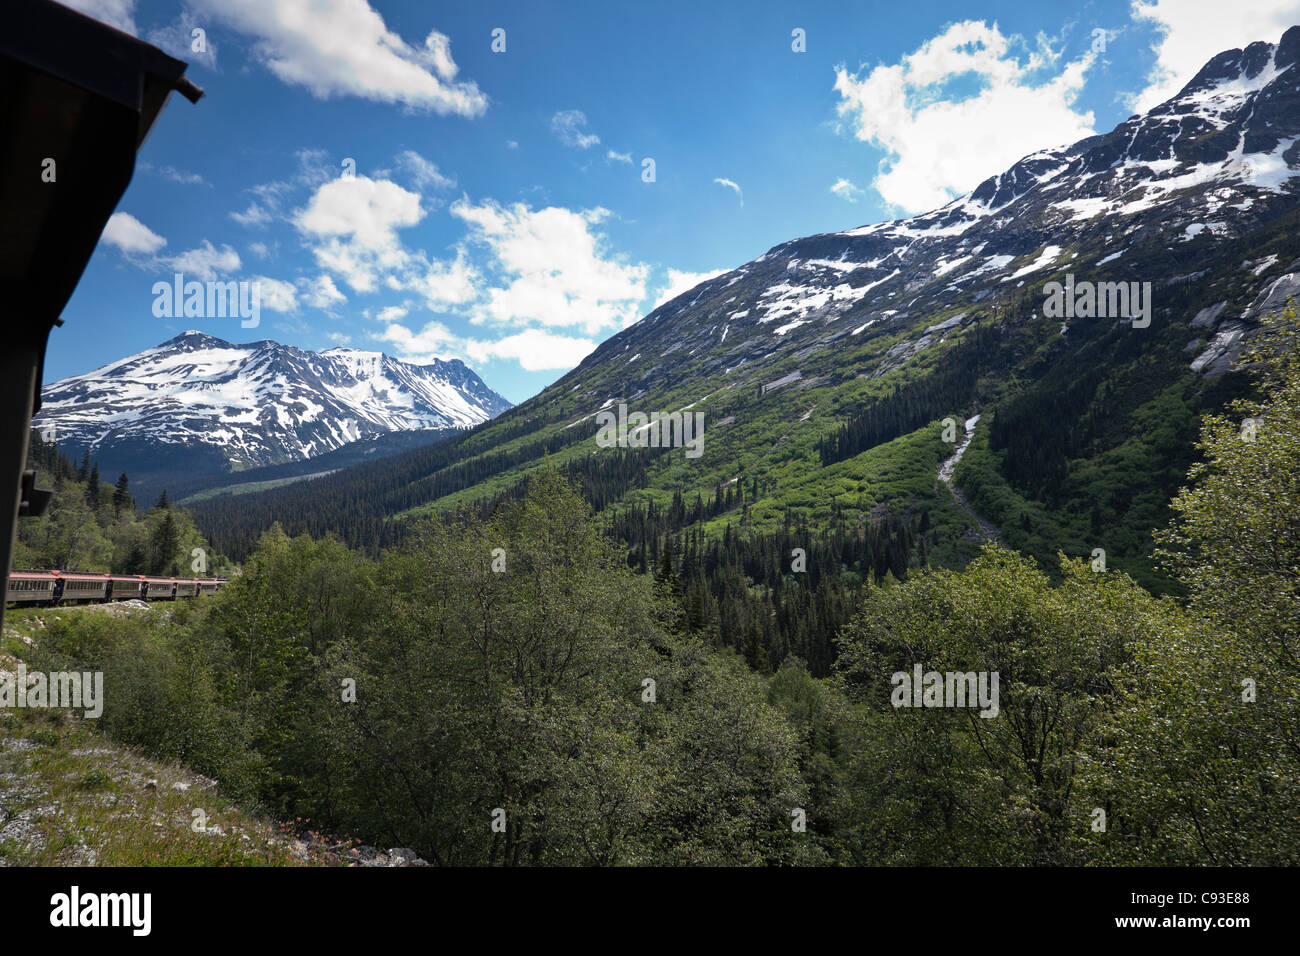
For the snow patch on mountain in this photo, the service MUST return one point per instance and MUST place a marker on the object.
(261, 402)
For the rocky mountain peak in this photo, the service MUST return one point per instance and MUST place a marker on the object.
(256, 403)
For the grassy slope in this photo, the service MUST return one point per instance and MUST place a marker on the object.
(1140, 390)
(69, 796)
(1149, 396)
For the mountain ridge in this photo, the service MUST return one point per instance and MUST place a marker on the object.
(824, 363)
(210, 406)
(978, 237)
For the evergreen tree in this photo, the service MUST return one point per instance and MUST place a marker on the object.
(163, 544)
(137, 562)
(667, 574)
(755, 652)
(121, 495)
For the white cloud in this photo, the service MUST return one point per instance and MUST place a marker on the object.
(679, 282)
(174, 175)
(254, 215)
(321, 293)
(351, 225)
(435, 340)
(366, 209)
(116, 13)
(277, 295)
(131, 235)
(422, 172)
(437, 53)
(614, 157)
(543, 279)
(731, 185)
(936, 147)
(545, 275)
(534, 349)
(569, 126)
(178, 40)
(314, 169)
(446, 284)
(846, 190)
(1193, 31)
(344, 48)
(354, 221)
(205, 261)
(360, 267)
(553, 269)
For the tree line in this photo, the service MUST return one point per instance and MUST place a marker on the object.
(506, 690)
(95, 527)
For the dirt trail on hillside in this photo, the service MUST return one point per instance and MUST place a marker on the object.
(984, 529)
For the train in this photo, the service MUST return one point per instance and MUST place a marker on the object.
(51, 588)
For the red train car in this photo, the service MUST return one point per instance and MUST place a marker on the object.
(74, 587)
(31, 587)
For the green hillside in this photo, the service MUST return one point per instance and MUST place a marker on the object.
(1082, 439)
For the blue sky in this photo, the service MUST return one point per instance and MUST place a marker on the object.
(498, 210)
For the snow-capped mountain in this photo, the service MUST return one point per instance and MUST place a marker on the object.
(1217, 161)
(823, 365)
(260, 403)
